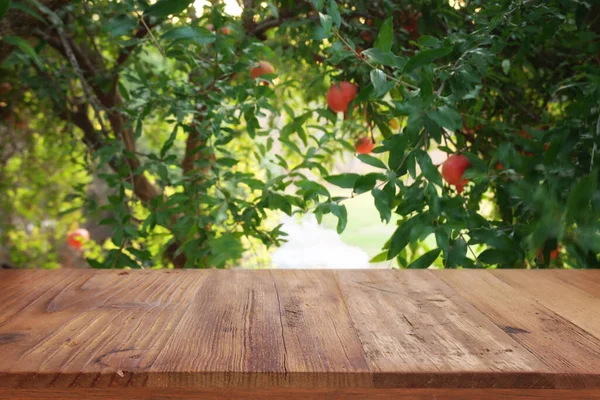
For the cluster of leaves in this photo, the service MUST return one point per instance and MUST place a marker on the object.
(512, 85)
(199, 155)
(202, 178)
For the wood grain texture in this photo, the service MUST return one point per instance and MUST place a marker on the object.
(415, 323)
(587, 280)
(568, 301)
(555, 340)
(301, 394)
(350, 334)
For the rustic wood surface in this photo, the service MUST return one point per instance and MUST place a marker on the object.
(299, 334)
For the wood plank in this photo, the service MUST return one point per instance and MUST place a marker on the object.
(301, 394)
(185, 329)
(573, 304)
(412, 322)
(587, 280)
(318, 334)
(564, 347)
(341, 333)
(24, 288)
(230, 336)
(86, 332)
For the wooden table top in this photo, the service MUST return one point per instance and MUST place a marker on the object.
(305, 329)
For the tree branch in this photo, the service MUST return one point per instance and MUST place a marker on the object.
(141, 31)
(21, 23)
(194, 145)
(260, 29)
(143, 188)
(79, 116)
(56, 43)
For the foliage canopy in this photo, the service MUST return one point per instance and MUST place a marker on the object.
(155, 99)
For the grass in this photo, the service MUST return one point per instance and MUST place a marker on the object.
(364, 229)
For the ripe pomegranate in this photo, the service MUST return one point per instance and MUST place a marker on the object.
(410, 23)
(224, 30)
(5, 87)
(524, 134)
(471, 131)
(358, 51)
(453, 169)
(364, 145)
(366, 36)
(412, 27)
(77, 238)
(546, 146)
(261, 68)
(553, 254)
(340, 95)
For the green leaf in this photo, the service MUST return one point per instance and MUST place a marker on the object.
(318, 4)
(447, 117)
(372, 161)
(387, 58)
(25, 8)
(432, 128)
(333, 12)
(494, 256)
(400, 238)
(428, 41)
(120, 25)
(4, 5)
(345, 181)
(378, 79)
(506, 66)
(224, 248)
(197, 35)
(580, 196)
(442, 238)
(426, 57)
(162, 8)
(396, 145)
(274, 10)
(427, 168)
(457, 253)
(433, 200)
(25, 47)
(384, 201)
(141, 254)
(366, 182)
(342, 214)
(425, 260)
(310, 189)
(169, 142)
(279, 202)
(385, 38)
(426, 91)
(381, 257)
(380, 82)
(326, 22)
(95, 264)
(227, 161)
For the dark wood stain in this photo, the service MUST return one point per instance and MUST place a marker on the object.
(513, 330)
(6, 338)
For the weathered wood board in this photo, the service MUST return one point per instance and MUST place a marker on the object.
(299, 334)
